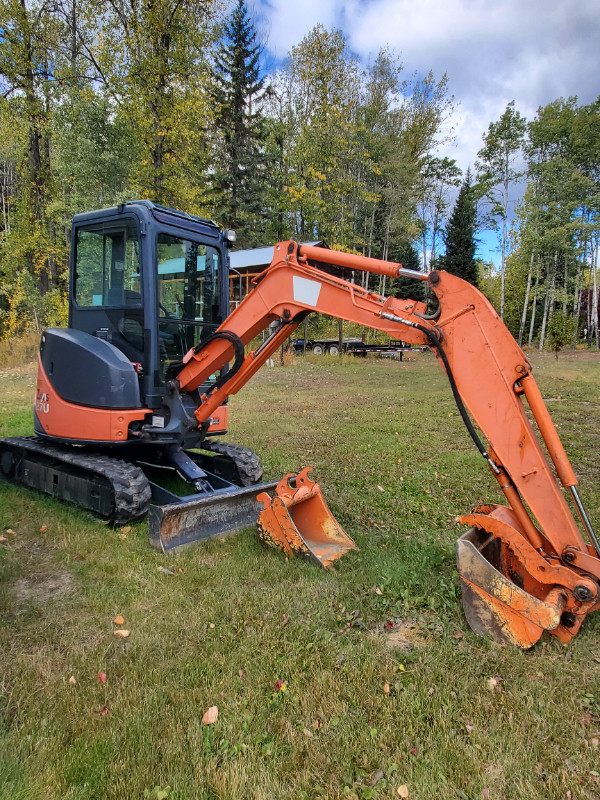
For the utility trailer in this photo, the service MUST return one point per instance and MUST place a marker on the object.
(356, 347)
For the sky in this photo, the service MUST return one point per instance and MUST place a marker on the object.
(492, 51)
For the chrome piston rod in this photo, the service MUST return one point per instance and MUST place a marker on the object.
(585, 519)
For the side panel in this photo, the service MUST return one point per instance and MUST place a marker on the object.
(59, 419)
(88, 371)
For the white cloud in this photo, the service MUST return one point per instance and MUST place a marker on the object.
(493, 51)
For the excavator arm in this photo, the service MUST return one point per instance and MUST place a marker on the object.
(524, 567)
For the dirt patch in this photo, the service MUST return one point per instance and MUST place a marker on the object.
(405, 636)
(42, 588)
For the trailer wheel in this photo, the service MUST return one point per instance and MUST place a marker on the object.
(318, 350)
(334, 350)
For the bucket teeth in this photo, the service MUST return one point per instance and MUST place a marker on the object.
(298, 521)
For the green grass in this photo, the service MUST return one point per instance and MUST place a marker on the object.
(442, 731)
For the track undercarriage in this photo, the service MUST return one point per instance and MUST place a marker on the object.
(220, 485)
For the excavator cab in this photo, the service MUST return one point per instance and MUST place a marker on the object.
(151, 281)
(148, 285)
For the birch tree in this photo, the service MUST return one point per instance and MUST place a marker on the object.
(498, 169)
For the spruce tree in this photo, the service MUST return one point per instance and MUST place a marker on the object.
(404, 287)
(460, 235)
(237, 88)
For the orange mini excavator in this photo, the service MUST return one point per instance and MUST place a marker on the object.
(136, 388)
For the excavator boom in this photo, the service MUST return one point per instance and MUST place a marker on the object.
(524, 568)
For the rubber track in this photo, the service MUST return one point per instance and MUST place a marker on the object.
(130, 487)
(246, 461)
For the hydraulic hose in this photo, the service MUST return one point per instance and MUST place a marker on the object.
(239, 353)
(435, 341)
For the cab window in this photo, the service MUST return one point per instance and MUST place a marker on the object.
(107, 265)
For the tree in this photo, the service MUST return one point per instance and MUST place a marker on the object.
(28, 37)
(320, 87)
(152, 60)
(497, 171)
(438, 175)
(407, 287)
(238, 183)
(560, 331)
(460, 235)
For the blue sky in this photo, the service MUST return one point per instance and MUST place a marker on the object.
(493, 51)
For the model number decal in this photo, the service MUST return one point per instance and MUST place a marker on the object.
(42, 403)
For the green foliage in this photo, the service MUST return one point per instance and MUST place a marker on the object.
(561, 328)
(556, 227)
(407, 287)
(106, 101)
(498, 169)
(239, 179)
(460, 235)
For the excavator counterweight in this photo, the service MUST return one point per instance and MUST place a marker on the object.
(138, 385)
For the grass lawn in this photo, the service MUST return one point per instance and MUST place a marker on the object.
(385, 693)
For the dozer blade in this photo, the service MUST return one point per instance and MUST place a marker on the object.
(199, 517)
(493, 604)
(298, 521)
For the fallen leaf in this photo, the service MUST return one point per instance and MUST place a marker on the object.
(126, 529)
(122, 633)
(595, 742)
(403, 791)
(587, 718)
(73, 680)
(306, 732)
(179, 570)
(102, 677)
(492, 683)
(281, 686)
(381, 489)
(485, 795)
(165, 571)
(9, 531)
(458, 635)
(122, 536)
(469, 728)
(378, 590)
(43, 529)
(386, 688)
(315, 724)
(118, 620)
(211, 625)
(241, 673)
(103, 711)
(413, 751)
(3, 540)
(211, 715)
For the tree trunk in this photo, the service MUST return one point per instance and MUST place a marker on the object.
(547, 311)
(503, 268)
(577, 300)
(594, 320)
(526, 301)
(534, 303)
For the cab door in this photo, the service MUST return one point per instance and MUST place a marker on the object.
(107, 289)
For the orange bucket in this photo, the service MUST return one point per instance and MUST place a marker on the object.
(298, 521)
